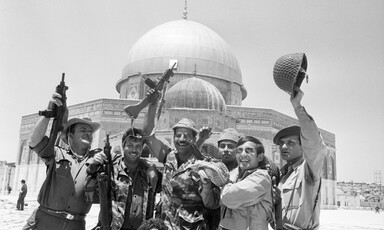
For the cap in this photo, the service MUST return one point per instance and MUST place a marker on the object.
(94, 125)
(289, 131)
(289, 71)
(186, 123)
(230, 134)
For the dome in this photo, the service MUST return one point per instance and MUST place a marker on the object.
(195, 93)
(195, 47)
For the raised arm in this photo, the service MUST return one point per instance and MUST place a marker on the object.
(204, 134)
(149, 119)
(156, 146)
(38, 132)
(311, 141)
(37, 139)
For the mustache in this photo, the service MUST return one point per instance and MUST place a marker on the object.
(184, 142)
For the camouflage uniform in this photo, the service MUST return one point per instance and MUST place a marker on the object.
(182, 204)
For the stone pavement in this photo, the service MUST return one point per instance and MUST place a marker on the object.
(11, 219)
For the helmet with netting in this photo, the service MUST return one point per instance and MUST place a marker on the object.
(290, 70)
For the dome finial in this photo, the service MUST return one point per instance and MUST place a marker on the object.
(185, 12)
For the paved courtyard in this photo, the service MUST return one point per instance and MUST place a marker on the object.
(11, 219)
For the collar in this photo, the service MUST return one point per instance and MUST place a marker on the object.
(190, 159)
(232, 166)
(76, 157)
(141, 169)
(245, 174)
(288, 168)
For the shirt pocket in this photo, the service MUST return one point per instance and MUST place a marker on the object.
(292, 192)
(63, 169)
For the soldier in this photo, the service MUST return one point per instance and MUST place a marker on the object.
(248, 197)
(135, 183)
(227, 146)
(303, 149)
(62, 196)
(187, 194)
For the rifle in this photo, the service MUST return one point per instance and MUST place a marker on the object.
(105, 189)
(134, 110)
(57, 113)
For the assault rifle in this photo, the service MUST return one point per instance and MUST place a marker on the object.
(104, 180)
(58, 113)
(134, 110)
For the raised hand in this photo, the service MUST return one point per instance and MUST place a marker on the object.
(205, 133)
(296, 97)
(56, 100)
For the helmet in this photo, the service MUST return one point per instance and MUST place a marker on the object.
(290, 70)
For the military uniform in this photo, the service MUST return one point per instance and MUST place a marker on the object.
(62, 196)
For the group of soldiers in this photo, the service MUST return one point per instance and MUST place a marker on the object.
(238, 189)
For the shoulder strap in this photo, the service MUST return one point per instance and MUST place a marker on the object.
(290, 199)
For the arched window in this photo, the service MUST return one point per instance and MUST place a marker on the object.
(24, 153)
(21, 151)
(331, 172)
(325, 168)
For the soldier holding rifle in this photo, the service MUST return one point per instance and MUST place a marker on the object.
(62, 196)
(190, 185)
(134, 186)
(187, 193)
(135, 181)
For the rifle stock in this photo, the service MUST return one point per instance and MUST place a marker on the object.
(134, 110)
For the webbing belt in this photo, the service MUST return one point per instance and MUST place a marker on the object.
(61, 214)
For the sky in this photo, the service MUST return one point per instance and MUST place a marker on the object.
(89, 41)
